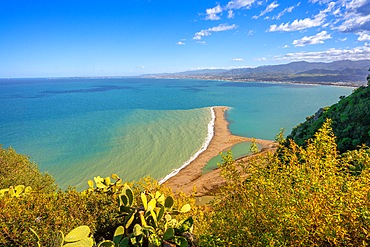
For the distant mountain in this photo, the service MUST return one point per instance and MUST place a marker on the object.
(345, 72)
(202, 72)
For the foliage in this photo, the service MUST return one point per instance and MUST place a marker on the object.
(27, 212)
(78, 237)
(351, 121)
(151, 222)
(49, 213)
(17, 191)
(254, 148)
(148, 217)
(307, 196)
(17, 169)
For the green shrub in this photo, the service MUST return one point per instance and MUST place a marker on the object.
(302, 197)
(350, 121)
(49, 213)
(17, 169)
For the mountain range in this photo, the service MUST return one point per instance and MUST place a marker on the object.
(344, 72)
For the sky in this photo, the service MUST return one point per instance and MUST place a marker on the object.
(59, 38)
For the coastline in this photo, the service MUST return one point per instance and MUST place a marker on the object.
(310, 83)
(190, 175)
(211, 132)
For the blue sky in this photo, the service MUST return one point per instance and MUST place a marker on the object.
(52, 38)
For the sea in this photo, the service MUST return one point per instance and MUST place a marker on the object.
(79, 128)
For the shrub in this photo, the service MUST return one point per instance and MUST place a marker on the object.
(17, 169)
(302, 197)
(47, 214)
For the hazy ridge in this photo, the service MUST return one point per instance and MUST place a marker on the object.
(344, 72)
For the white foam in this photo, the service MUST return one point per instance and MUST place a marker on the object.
(211, 132)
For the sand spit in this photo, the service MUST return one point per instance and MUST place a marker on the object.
(191, 176)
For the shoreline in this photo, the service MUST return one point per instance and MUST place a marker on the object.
(310, 83)
(191, 176)
(210, 135)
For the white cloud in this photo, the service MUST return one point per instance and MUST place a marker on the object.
(286, 46)
(238, 59)
(311, 40)
(251, 32)
(355, 22)
(212, 14)
(306, 23)
(286, 10)
(333, 54)
(220, 28)
(343, 39)
(297, 25)
(320, 1)
(268, 9)
(238, 4)
(356, 16)
(180, 43)
(230, 14)
(355, 4)
(363, 36)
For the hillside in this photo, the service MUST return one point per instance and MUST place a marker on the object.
(344, 72)
(351, 121)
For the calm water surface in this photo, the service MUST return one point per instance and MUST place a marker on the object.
(80, 128)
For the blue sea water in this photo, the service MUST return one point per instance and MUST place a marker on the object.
(80, 128)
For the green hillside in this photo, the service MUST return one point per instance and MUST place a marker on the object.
(350, 121)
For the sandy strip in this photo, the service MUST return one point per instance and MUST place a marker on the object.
(191, 176)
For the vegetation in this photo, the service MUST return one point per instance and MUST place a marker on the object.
(306, 197)
(300, 196)
(350, 121)
(146, 212)
(149, 224)
(17, 169)
(48, 213)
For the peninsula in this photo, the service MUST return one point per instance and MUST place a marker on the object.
(192, 176)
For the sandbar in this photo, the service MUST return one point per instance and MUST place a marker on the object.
(191, 176)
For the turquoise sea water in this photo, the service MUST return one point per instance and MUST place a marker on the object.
(79, 128)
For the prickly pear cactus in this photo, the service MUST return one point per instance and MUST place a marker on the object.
(17, 191)
(151, 222)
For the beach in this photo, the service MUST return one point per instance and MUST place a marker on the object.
(191, 176)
